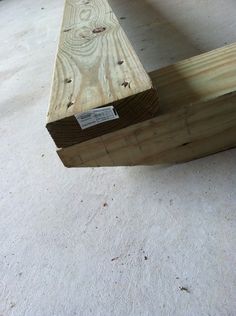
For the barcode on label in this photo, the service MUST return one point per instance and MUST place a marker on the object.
(96, 116)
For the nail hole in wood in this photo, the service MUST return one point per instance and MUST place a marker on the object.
(68, 80)
(126, 84)
(67, 30)
(99, 30)
(120, 62)
(70, 104)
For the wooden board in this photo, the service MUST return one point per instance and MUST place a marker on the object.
(198, 117)
(197, 79)
(96, 66)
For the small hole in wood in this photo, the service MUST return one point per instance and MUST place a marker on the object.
(67, 30)
(68, 80)
(125, 84)
(99, 30)
(70, 104)
(120, 62)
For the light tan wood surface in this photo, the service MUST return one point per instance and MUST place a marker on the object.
(198, 117)
(196, 79)
(96, 66)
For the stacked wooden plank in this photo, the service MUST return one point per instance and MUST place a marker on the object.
(104, 108)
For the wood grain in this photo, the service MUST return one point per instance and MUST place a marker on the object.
(198, 118)
(197, 79)
(96, 66)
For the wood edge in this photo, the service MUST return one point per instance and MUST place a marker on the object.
(55, 60)
(152, 74)
(123, 107)
(97, 144)
(114, 103)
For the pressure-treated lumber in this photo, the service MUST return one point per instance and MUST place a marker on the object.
(197, 79)
(96, 66)
(198, 117)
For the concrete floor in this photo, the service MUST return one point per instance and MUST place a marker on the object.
(123, 241)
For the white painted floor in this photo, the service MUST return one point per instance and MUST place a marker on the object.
(121, 241)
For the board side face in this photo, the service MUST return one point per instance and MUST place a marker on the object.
(197, 79)
(96, 65)
(189, 133)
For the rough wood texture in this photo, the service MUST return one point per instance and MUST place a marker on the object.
(96, 66)
(198, 117)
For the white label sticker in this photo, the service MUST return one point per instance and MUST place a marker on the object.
(96, 116)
